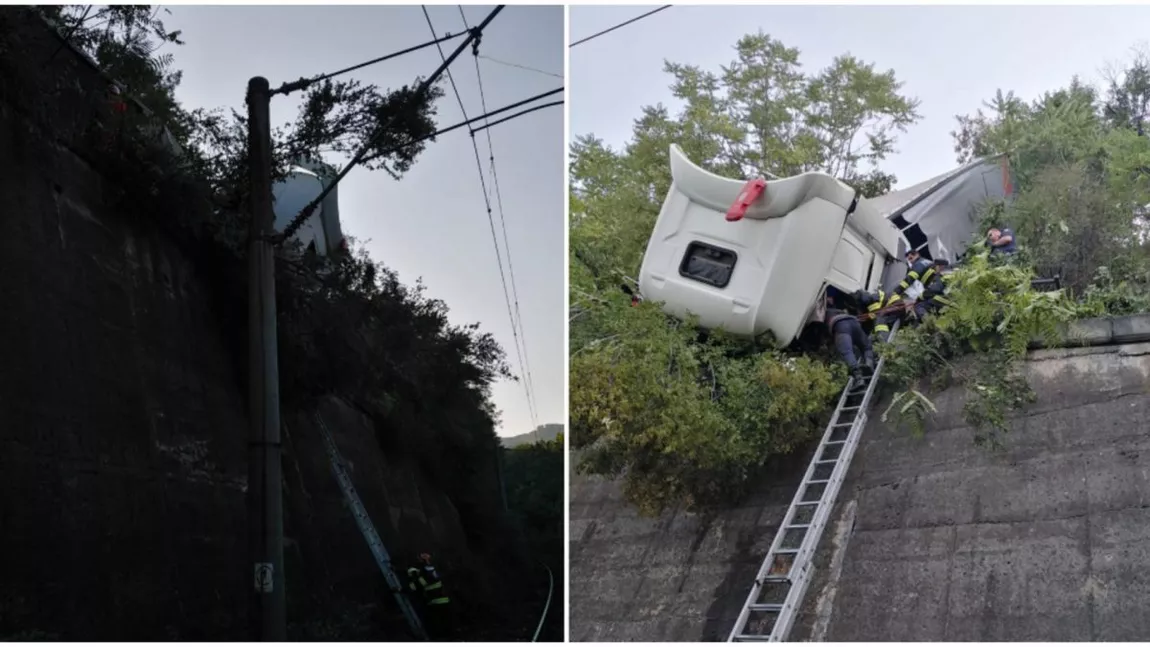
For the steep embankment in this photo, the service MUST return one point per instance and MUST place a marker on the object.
(933, 539)
(123, 419)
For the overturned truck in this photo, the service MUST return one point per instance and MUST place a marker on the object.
(757, 256)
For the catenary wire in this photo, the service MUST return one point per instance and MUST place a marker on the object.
(310, 207)
(494, 239)
(503, 227)
(622, 24)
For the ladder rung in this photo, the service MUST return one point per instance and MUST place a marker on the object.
(849, 408)
(787, 551)
(799, 525)
(845, 424)
(752, 638)
(835, 442)
(818, 482)
(774, 578)
(828, 460)
(766, 607)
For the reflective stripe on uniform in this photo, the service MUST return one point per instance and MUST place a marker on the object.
(443, 600)
(881, 328)
(431, 587)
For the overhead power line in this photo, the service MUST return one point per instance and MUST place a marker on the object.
(622, 24)
(463, 124)
(490, 124)
(303, 84)
(522, 67)
(515, 327)
(310, 208)
(503, 227)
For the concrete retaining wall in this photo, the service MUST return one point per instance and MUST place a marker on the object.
(933, 538)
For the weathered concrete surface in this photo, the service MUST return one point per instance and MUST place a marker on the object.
(1047, 540)
(680, 577)
(1102, 331)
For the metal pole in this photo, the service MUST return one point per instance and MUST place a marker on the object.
(267, 612)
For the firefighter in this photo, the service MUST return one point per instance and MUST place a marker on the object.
(847, 333)
(426, 586)
(921, 270)
(875, 301)
(934, 295)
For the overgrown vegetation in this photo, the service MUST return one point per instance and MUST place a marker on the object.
(689, 418)
(685, 418)
(347, 325)
(1081, 166)
(534, 481)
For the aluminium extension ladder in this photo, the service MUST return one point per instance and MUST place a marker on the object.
(782, 580)
(368, 529)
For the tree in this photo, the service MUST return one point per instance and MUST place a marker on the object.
(688, 417)
(1082, 189)
(126, 42)
(1128, 99)
(1082, 173)
(335, 117)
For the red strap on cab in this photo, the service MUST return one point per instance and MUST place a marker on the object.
(751, 192)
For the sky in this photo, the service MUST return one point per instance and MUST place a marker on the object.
(951, 58)
(432, 223)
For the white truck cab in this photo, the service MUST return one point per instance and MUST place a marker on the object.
(306, 179)
(758, 256)
(752, 257)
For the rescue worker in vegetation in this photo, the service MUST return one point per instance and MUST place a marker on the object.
(921, 270)
(1001, 241)
(934, 295)
(427, 592)
(847, 333)
(875, 301)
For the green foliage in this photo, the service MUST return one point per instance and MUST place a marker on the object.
(1108, 295)
(686, 421)
(349, 326)
(1082, 172)
(126, 41)
(335, 117)
(534, 477)
(690, 418)
(978, 343)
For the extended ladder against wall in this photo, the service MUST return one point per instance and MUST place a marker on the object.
(368, 529)
(777, 594)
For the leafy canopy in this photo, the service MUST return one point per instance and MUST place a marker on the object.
(689, 418)
(1081, 162)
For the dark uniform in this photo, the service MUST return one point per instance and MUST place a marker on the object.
(934, 295)
(848, 333)
(874, 302)
(921, 270)
(426, 588)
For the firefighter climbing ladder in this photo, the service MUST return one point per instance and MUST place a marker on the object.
(782, 580)
(368, 529)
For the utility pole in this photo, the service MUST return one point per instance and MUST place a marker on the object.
(267, 616)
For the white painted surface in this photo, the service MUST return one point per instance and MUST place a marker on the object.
(794, 240)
